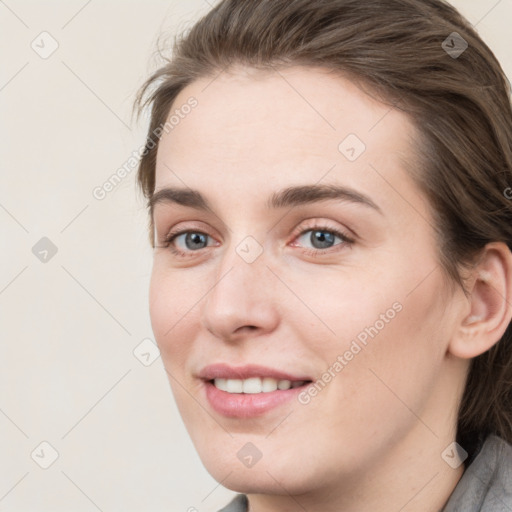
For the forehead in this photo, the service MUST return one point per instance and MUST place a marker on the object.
(253, 131)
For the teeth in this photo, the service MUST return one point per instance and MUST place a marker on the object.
(268, 384)
(255, 385)
(221, 384)
(284, 384)
(234, 385)
(252, 385)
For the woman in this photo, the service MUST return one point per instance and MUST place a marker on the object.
(328, 183)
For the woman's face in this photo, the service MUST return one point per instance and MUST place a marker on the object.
(341, 291)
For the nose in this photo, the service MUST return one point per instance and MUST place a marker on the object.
(242, 299)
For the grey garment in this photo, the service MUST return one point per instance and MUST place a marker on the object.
(238, 504)
(485, 486)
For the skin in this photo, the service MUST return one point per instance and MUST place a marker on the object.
(372, 439)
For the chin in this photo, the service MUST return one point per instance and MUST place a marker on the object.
(269, 475)
(253, 481)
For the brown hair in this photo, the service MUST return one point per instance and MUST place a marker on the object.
(460, 105)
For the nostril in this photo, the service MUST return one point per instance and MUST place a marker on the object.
(249, 327)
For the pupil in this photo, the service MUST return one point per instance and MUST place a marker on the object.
(323, 238)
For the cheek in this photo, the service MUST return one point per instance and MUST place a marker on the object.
(383, 333)
(171, 309)
(399, 353)
(332, 307)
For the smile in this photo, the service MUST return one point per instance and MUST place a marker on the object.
(249, 390)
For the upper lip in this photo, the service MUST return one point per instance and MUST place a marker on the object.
(225, 371)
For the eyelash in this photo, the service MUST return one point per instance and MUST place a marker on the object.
(346, 240)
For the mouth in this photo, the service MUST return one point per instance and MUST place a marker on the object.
(248, 391)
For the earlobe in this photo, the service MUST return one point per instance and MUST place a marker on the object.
(488, 310)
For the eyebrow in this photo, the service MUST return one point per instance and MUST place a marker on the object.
(288, 197)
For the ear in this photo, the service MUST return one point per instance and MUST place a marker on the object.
(487, 311)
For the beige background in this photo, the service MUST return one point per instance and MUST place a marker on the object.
(69, 326)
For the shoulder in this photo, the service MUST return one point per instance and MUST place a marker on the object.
(238, 504)
(486, 484)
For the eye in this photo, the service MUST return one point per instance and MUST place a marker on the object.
(322, 238)
(193, 241)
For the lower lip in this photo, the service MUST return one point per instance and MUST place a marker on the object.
(248, 405)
